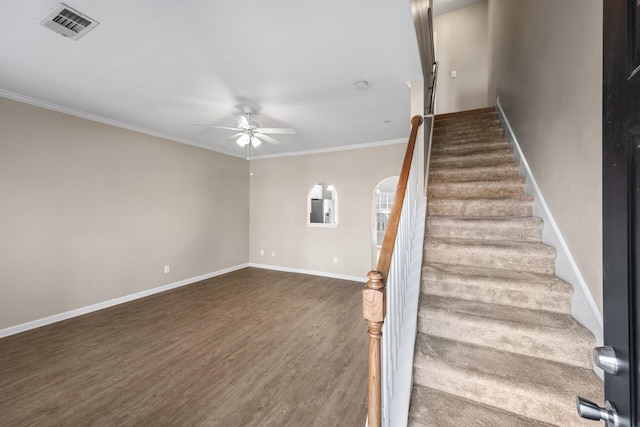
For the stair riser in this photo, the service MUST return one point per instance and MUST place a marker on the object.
(479, 208)
(484, 232)
(464, 139)
(529, 298)
(454, 133)
(449, 135)
(474, 257)
(464, 149)
(499, 394)
(465, 113)
(474, 118)
(489, 122)
(545, 344)
(468, 127)
(463, 190)
(505, 171)
(489, 159)
(481, 122)
(436, 144)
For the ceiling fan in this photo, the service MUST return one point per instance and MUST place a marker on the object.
(249, 131)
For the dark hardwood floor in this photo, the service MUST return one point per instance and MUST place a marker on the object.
(249, 348)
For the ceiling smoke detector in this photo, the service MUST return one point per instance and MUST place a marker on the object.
(361, 85)
(68, 22)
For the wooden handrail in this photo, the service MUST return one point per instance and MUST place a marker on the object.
(394, 219)
(373, 298)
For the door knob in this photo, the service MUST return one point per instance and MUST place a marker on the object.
(605, 359)
(591, 411)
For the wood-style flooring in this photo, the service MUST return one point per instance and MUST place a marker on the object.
(249, 348)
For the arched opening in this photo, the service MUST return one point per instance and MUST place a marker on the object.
(383, 196)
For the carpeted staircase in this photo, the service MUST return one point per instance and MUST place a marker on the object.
(496, 343)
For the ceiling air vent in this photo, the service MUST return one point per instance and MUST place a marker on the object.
(68, 22)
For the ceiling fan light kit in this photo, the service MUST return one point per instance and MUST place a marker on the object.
(250, 132)
(243, 140)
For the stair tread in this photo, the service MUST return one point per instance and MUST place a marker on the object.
(433, 408)
(488, 158)
(465, 115)
(481, 120)
(441, 141)
(518, 255)
(488, 228)
(491, 189)
(479, 168)
(476, 131)
(484, 182)
(500, 222)
(496, 246)
(513, 198)
(488, 129)
(470, 146)
(451, 173)
(518, 206)
(468, 137)
(487, 124)
(511, 279)
(543, 334)
(459, 156)
(485, 373)
(482, 312)
(541, 376)
(523, 289)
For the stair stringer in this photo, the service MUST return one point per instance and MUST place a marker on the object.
(583, 306)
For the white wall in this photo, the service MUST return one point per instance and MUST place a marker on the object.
(90, 212)
(462, 44)
(279, 188)
(546, 68)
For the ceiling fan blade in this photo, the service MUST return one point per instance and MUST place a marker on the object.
(217, 127)
(267, 138)
(236, 135)
(243, 123)
(276, 130)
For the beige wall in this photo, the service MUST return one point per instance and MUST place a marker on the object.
(462, 45)
(546, 69)
(279, 187)
(90, 212)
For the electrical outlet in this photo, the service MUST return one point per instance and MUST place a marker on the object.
(335, 259)
(262, 252)
(167, 268)
(273, 253)
(454, 74)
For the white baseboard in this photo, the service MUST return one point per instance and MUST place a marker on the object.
(583, 306)
(110, 303)
(362, 279)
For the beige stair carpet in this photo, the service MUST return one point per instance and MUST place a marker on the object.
(496, 343)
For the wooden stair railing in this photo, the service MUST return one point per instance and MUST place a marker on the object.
(373, 298)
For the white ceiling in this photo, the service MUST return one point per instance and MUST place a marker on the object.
(162, 66)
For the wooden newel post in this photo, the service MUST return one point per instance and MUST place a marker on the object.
(373, 308)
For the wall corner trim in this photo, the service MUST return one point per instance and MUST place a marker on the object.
(583, 307)
(12, 330)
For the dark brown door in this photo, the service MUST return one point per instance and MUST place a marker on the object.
(621, 202)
